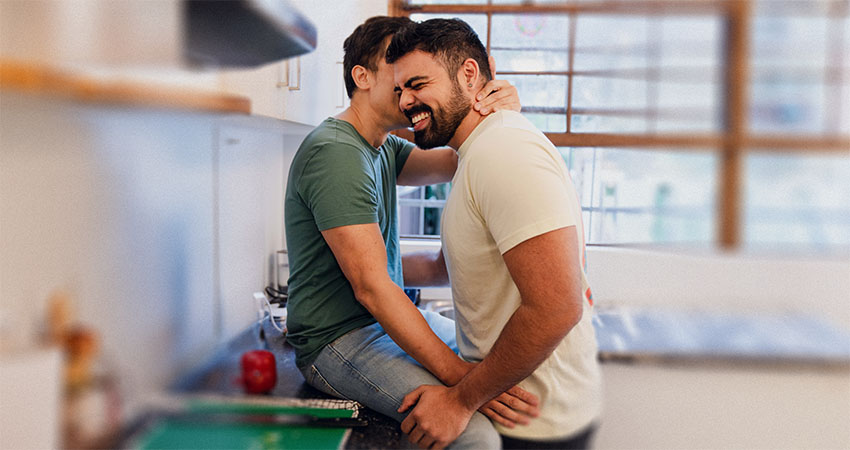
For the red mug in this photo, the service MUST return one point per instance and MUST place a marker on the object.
(259, 373)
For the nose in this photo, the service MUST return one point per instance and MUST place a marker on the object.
(405, 100)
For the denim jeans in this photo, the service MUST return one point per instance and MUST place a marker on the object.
(366, 365)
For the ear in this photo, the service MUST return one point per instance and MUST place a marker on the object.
(469, 74)
(362, 77)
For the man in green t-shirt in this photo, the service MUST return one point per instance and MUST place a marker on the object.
(355, 332)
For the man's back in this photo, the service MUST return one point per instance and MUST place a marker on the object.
(336, 179)
(512, 185)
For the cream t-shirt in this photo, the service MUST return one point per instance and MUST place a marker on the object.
(511, 185)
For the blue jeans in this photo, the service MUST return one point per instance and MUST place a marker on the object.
(366, 365)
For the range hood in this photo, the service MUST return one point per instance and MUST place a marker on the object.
(244, 33)
(153, 34)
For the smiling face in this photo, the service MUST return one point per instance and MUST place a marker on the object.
(433, 101)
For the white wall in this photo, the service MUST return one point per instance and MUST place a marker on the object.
(158, 224)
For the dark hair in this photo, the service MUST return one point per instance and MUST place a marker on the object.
(365, 45)
(451, 40)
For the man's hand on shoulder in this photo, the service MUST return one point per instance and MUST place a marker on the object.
(496, 94)
(438, 418)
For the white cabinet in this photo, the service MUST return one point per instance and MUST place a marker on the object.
(260, 85)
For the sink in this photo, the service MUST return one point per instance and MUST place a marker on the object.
(445, 308)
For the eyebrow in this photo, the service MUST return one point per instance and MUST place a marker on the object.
(410, 82)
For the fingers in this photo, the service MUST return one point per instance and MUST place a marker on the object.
(408, 424)
(490, 87)
(502, 98)
(492, 62)
(514, 409)
(518, 406)
(493, 415)
(410, 399)
(417, 435)
(524, 395)
(425, 442)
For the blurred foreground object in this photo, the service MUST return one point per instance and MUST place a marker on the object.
(91, 413)
(30, 389)
(153, 34)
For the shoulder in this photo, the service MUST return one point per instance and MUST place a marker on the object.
(508, 132)
(332, 132)
(513, 148)
(512, 140)
(328, 161)
(398, 144)
(331, 143)
(396, 141)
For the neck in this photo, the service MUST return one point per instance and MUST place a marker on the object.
(365, 122)
(472, 119)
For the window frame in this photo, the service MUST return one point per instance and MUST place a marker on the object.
(735, 140)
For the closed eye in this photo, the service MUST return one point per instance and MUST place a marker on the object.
(415, 83)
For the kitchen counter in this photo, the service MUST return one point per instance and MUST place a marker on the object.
(217, 376)
(658, 335)
(734, 350)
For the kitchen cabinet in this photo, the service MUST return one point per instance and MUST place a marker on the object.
(158, 221)
(322, 90)
(153, 35)
(153, 197)
(309, 88)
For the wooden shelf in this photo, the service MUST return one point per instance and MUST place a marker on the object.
(40, 80)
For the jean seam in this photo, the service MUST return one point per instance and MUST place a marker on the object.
(363, 377)
(315, 371)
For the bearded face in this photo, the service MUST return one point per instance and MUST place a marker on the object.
(435, 126)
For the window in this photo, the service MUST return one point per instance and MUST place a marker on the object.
(701, 122)
(420, 209)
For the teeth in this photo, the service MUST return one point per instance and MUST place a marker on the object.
(419, 117)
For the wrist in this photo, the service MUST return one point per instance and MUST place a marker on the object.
(461, 397)
(459, 368)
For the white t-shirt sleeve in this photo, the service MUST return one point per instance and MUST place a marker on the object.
(520, 188)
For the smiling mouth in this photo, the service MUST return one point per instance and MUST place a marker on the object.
(420, 120)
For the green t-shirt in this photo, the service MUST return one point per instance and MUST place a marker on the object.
(336, 178)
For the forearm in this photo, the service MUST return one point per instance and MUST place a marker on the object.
(424, 269)
(408, 329)
(528, 338)
(360, 252)
(426, 167)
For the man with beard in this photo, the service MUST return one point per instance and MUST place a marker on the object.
(356, 334)
(513, 248)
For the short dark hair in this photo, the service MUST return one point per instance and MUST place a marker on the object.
(365, 45)
(451, 40)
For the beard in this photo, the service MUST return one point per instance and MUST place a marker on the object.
(444, 121)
